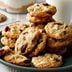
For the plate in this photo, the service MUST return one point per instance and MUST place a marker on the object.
(67, 66)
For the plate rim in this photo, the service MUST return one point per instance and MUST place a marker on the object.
(34, 69)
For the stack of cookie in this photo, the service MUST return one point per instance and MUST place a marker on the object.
(41, 41)
(11, 33)
(40, 14)
(59, 37)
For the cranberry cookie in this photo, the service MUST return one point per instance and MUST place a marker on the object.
(36, 25)
(41, 44)
(13, 30)
(27, 40)
(8, 42)
(39, 19)
(58, 30)
(47, 61)
(56, 43)
(41, 10)
(17, 59)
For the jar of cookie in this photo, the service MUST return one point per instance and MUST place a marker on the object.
(16, 6)
(64, 9)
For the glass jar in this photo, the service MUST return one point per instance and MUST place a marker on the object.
(64, 9)
(16, 6)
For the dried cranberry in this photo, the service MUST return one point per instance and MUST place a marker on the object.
(25, 33)
(23, 48)
(57, 60)
(7, 29)
(27, 61)
(64, 32)
(59, 23)
(66, 26)
(45, 4)
(2, 52)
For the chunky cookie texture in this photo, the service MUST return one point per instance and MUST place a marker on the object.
(57, 43)
(40, 46)
(2, 18)
(13, 30)
(36, 25)
(8, 42)
(58, 30)
(41, 10)
(27, 40)
(38, 43)
(47, 61)
(39, 19)
(17, 59)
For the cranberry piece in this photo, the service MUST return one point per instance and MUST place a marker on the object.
(27, 61)
(7, 29)
(45, 4)
(25, 33)
(23, 48)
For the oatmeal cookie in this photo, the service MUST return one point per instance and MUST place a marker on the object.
(40, 45)
(39, 19)
(59, 50)
(8, 42)
(36, 25)
(47, 61)
(17, 59)
(41, 10)
(58, 30)
(2, 18)
(27, 40)
(56, 43)
(13, 30)
(5, 50)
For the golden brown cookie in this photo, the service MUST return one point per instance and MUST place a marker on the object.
(39, 19)
(47, 61)
(27, 40)
(40, 46)
(2, 18)
(17, 59)
(56, 43)
(8, 42)
(58, 30)
(5, 50)
(36, 25)
(13, 30)
(41, 10)
(59, 50)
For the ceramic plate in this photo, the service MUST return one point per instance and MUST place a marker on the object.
(67, 66)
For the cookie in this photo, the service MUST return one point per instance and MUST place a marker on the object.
(41, 10)
(59, 50)
(5, 50)
(40, 45)
(39, 19)
(27, 40)
(13, 30)
(17, 59)
(36, 25)
(2, 18)
(47, 61)
(58, 30)
(56, 43)
(8, 42)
